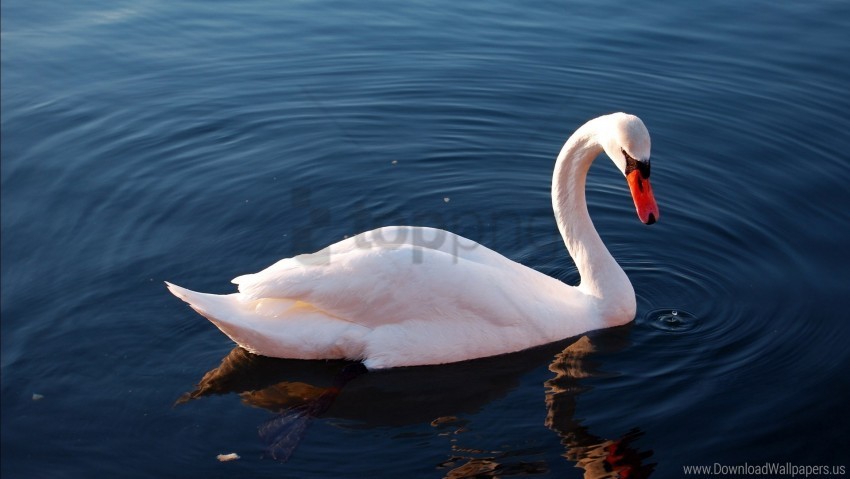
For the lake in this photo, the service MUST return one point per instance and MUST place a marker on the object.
(193, 142)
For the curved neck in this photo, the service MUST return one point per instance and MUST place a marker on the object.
(601, 276)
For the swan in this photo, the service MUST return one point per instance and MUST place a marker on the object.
(408, 296)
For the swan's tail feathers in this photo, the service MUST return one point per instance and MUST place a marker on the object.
(227, 312)
(205, 304)
(265, 326)
(282, 328)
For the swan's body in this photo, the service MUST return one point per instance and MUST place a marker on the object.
(403, 296)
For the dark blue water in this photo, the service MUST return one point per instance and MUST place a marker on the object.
(196, 141)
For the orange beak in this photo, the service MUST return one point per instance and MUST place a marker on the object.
(647, 209)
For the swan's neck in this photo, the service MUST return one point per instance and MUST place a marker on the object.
(601, 276)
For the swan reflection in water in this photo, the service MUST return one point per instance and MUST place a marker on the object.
(298, 391)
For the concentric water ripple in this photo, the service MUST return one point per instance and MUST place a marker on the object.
(671, 320)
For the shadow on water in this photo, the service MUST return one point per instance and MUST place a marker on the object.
(298, 391)
(599, 457)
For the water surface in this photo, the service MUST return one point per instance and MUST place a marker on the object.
(195, 141)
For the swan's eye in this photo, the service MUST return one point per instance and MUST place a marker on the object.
(633, 164)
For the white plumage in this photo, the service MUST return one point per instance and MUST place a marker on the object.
(403, 295)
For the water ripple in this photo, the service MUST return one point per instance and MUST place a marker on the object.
(671, 320)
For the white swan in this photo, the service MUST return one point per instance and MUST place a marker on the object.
(404, 295)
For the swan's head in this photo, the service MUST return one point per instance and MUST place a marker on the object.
(625, 140)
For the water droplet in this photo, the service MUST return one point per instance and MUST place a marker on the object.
(671, 320)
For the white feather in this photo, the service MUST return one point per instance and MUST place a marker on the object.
(403, 295)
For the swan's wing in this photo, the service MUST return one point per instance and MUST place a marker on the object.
(397, 274)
